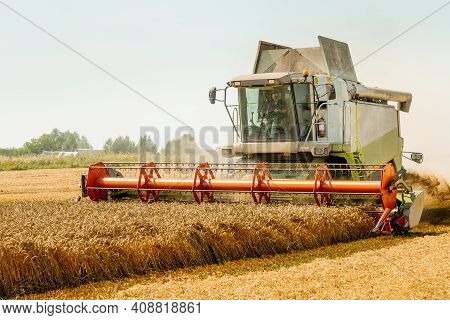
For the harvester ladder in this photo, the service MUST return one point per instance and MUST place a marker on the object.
(358, 174)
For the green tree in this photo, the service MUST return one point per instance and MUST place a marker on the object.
(146, 145)
(13, 152)
(84, 143)
(182, 149)
(57, 141)
(120, 145)
(69, 141)
(176, 146)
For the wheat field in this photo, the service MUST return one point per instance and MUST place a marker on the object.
(420, 273)
(51, 244)
(47, 241)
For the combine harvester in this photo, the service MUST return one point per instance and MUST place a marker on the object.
(303, 125)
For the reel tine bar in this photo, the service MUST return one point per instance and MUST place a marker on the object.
(145, 181)
(260, 174)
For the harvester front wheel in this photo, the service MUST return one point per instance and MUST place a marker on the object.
(400, 231)
(399, 224)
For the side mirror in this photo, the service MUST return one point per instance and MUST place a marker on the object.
(417, 157)
(212, 95)
(413, 156)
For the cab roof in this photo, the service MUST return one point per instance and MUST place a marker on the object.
(266, 79)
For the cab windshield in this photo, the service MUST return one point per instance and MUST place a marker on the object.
(267, 114)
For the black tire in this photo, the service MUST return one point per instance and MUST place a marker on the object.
(400, 231)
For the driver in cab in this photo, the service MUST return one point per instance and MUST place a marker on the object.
(276, 113)
(276, 105)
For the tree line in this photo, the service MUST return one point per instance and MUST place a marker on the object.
(57, 140)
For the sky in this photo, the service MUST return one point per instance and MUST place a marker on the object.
(173, 52)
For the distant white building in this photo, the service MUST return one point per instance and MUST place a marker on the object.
(89, 152)
(78, 153)
(60, 154)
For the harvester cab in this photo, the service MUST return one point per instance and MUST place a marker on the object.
(303, 125)
(306, 105)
